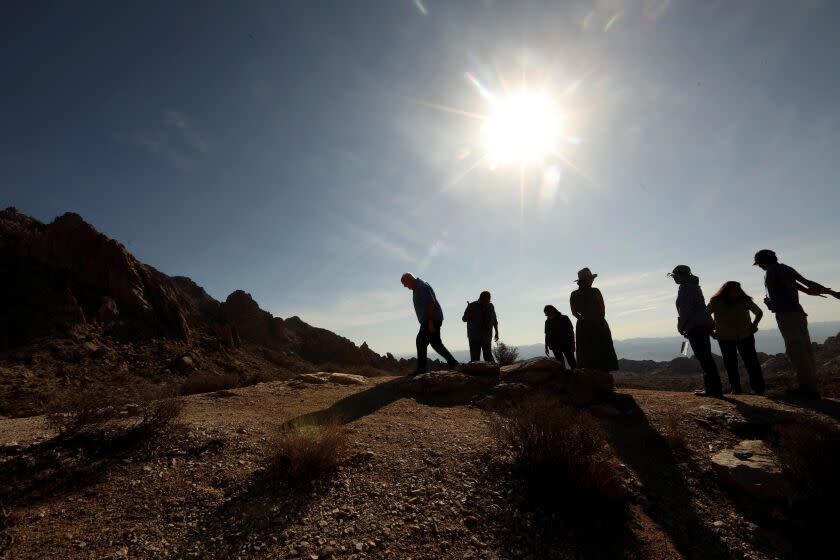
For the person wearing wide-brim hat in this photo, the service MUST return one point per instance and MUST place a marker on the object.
(696, 324)
(595, 348)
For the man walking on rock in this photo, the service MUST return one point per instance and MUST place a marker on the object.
(783, 285)
(430, 316)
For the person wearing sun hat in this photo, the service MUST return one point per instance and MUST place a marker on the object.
(696, 324)
(783, 285)
(595, 348)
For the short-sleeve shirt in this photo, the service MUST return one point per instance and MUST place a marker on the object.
(780, 281)
(423, 294)
(482, 320)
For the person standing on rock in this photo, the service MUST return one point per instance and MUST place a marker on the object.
(595, 348)
(480, 317)
(559, 335)
(783, 285)
(734, 332)
(430, 316)
(696, 324)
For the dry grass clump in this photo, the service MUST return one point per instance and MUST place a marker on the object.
(673, 433)
(307, 451)
(561, 454)
(101, 413)
(505, 354)
(809, 451)
(209, 383)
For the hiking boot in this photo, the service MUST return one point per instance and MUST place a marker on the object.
(800, 393)
(711, 394)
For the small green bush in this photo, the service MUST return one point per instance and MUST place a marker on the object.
(505, 354)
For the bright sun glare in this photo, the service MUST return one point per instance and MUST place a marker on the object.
(524, 128)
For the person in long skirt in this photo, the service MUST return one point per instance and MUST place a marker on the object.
(595, 348)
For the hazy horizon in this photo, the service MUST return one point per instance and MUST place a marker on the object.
(310, 155)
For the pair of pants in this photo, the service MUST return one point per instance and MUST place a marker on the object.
(794, 328)
(701, 345)
(746, 347)
(479, 345)
(424, 339)
(564, 350)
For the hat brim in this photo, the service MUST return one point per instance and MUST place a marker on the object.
(593, 277)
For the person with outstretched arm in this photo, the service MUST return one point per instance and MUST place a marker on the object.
(430, 315)
(783, 285)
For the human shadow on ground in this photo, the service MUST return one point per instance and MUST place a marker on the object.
(364, 403)
(669, 502)
(829, 407)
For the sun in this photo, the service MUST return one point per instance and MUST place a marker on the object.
(524, 128)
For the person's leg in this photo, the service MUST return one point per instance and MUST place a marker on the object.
(422, 344)
(729, 351)
(746, 348)
(701, 345)
(794, 329)
(475, 350)
(570, 356)
(437, 345)
(487, 348)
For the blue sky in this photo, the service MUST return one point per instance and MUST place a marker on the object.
(298, 150)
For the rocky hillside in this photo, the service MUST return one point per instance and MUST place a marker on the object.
(77, 309)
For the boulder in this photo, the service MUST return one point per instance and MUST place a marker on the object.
(535, 370)
(480, 368)
(443, 382)
(108, 311)
(751, 467)
(511, 390)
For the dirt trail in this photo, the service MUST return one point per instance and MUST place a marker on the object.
(419, 481)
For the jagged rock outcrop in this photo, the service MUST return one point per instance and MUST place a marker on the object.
(252, 323)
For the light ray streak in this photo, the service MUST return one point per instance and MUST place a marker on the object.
(469, 170)
(447, 109)
(574, 168)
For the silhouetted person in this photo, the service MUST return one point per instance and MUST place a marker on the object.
(480, 317)
(734, 331)
(696, 324)
(595, 348)
(559, 335)
(430, 316)
(783, 286)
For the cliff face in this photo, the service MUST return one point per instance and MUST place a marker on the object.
(65, 284)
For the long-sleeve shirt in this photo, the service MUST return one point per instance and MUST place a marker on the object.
(691, 307)
(732, 319)
(480, 320)
(559, 331)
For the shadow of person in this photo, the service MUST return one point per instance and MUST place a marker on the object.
(828, 407)
(669, 501)
(363, 403)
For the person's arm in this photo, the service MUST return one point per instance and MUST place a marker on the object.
(572, 306)
(570, 332)
(430, 313)
(546, 336)
(495, 321)
(600, 299)
(758, 315)
(682, 311)
(467, 313)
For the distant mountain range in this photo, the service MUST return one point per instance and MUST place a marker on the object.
(667, 348)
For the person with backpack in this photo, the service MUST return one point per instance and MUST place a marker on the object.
(731, 308)
(480, 317)
(696, 324)
(559, 336)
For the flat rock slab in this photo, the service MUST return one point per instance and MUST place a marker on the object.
(443, 382)
(480, 368)
(339, 378)
(751, 467)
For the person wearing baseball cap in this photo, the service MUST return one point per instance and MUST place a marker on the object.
(783, 285)
(696, 324)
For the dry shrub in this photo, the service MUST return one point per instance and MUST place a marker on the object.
(100, 413)
(809, 451)
(307, 451)
(209, 382)
(561, 454)
(673, 433)
(505, 354)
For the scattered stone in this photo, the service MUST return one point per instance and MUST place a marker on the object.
(480, 368)
(752, 468)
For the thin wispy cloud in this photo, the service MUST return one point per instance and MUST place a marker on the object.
(174, 139)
